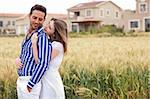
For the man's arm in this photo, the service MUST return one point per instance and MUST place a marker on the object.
(44, 52)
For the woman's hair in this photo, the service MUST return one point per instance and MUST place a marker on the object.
(60, 32)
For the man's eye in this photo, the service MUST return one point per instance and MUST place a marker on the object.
(34, 17)
(40, 19)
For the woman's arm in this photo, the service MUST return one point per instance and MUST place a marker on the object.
(34, 46)
(35, 50)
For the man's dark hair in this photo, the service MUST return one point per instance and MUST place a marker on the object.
(38, 7)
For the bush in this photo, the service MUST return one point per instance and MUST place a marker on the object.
(110, 29)
(22, 34)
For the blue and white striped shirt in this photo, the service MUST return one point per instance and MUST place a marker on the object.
(30, 68)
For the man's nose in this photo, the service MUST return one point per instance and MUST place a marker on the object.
(37, 21)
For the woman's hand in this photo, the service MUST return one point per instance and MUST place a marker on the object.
(34, 38)
(18, 63)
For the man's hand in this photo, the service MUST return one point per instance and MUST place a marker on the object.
(18, 63)
(29, 89)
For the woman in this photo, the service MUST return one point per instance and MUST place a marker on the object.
(52, 86)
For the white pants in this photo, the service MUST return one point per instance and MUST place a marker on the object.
(22, 91)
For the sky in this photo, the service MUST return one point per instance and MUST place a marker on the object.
(53, 6)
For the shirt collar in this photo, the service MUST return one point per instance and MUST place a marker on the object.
(40, 29)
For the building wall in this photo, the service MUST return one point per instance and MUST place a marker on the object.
(129, 16)
(22, 25)
(8, 23)
(106, 13)
(110, 18)
(138, 2)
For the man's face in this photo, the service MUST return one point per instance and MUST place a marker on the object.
(36, 19)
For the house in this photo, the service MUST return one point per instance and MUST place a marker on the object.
(22, 23)
(7, 22)
(138, 20)
(91, 15)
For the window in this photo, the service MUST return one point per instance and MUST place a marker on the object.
(77, 13)
(134, 24)
(147, 24)
(13, 23)
(1, 23)
(143, 7)
(107, 12)
(117, 14)
(8, 23)
(88, 13)
(101, 12)
(74, 28)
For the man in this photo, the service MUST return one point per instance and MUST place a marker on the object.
(28, 83)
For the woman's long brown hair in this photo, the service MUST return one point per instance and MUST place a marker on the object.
(60, 32)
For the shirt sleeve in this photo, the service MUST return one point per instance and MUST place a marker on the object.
(44, 54)
(57, 45)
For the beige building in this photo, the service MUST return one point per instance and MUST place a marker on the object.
(87, 16)
(138, 20)
(22, 23)
(7, 22)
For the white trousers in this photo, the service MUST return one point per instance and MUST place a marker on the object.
(22, 91)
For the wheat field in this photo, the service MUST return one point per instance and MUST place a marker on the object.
(93, 68)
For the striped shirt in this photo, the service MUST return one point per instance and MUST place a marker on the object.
(30, 68)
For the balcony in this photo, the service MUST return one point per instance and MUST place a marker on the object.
(83, 19)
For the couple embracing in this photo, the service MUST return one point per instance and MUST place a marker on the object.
(42, 51)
